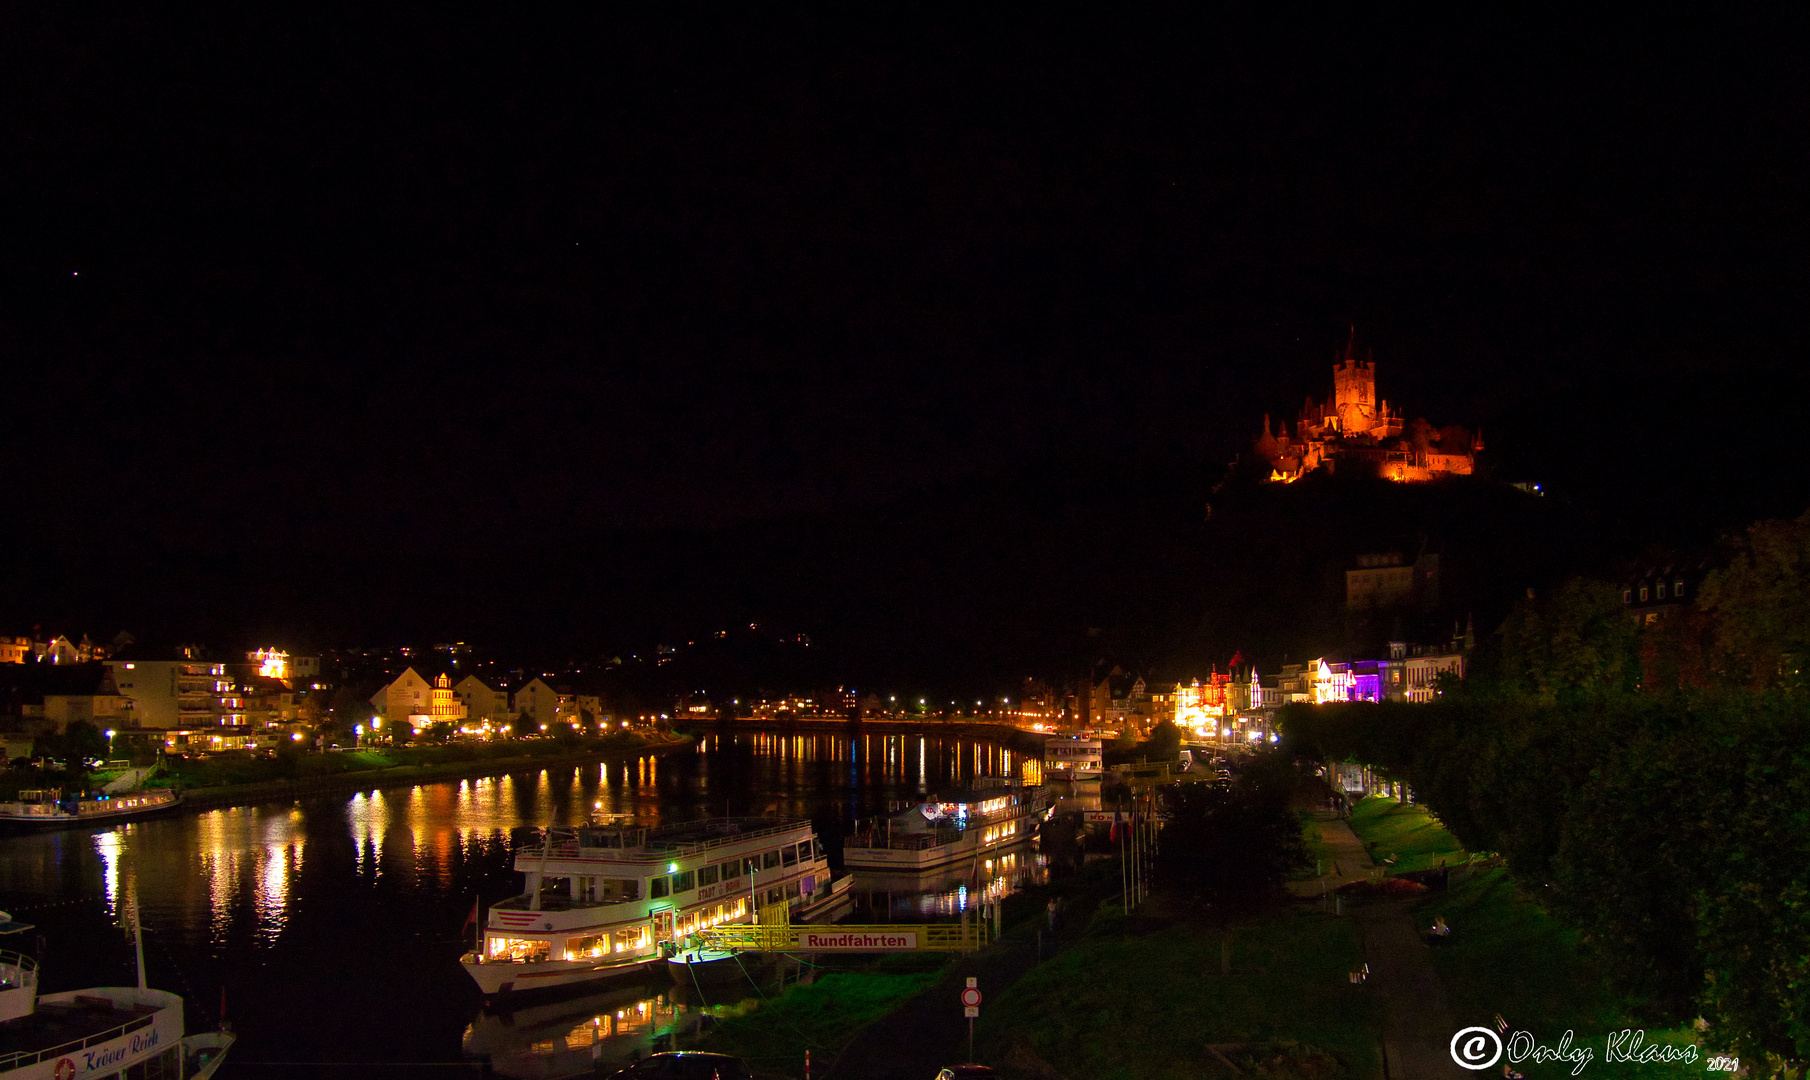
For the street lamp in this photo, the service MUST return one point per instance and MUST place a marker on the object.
(109, 743)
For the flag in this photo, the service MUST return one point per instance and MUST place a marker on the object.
(1113, 836)
(470, 920)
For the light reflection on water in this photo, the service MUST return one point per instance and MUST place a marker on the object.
(354, 903)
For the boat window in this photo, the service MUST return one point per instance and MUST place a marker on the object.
(684, 882)
(587, 947)
(731, 869)
(789, 855)
(656, 888)
(817, 846)
(518, 949)
(769, 860)
(751, 864)
(706, 875)
(610, 890)
(638, 937)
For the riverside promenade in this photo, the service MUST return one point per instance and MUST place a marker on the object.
(1417, 1021)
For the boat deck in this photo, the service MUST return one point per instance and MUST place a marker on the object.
(69, 1026)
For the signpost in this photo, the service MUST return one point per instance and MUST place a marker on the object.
(971, 1009)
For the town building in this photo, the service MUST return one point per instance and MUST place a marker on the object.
(542, 703)
(1655, 591)
(411, 698)
(483, 703)
(43, 698)
(1357, 430)
(167, 692)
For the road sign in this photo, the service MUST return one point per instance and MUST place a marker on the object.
(971, 998)
(971, 1011)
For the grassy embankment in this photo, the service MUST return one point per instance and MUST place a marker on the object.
(772, 1035)
(1143, 997)
(1506, 955)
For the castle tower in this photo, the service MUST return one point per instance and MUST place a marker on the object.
(1354, 391)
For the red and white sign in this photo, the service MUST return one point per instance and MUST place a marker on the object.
(970, 997)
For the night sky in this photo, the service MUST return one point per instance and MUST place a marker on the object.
(566, 335)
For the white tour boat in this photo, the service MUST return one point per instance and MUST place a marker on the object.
(47, 806)
(102, 1033)
(1073, 757)
(949, 829)
(614, 899)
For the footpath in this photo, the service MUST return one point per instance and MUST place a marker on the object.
(1417, 1020)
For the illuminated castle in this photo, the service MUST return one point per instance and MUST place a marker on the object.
(1358, 430)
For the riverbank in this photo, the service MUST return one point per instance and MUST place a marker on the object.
(1506, 956)
(383, 771)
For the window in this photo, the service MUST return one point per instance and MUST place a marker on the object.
(1661, 590)
(769, 860)
(520, 950)
(1678, 589)
(789, 855)
(1643, 594)
(731, 869)
(751, 863)
(684, 882)
(637, 938)
(656, 888)
(706, 875)
(817, 845)
(587, 947)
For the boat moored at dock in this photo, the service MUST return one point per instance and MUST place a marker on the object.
(103, 1031)
(609, 900)
(1073, 757)
(49, 806)
(948, 829)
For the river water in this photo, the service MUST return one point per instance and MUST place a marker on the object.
(329, 928)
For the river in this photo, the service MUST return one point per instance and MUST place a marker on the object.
(330, 928)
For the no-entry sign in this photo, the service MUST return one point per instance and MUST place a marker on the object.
(971, 997)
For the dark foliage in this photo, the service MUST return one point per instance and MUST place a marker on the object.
(1650, 786)
(1232, 848)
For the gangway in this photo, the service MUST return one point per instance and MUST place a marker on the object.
(781, 935)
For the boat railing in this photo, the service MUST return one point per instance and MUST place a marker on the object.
(565, 842)
(904, 841)
(21, 1058)
(26, 966)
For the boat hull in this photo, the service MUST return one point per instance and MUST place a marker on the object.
(496, 979)
(713, 970)
(919, 860)
(16, 815)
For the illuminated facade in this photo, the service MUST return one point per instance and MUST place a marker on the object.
(411, 699)
(1357, 429)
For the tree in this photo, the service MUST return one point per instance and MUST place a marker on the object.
(1165, 742)
(1231, 848)
(74, 745)
(1756, 605)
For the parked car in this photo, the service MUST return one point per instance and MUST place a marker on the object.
(685, 1065)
